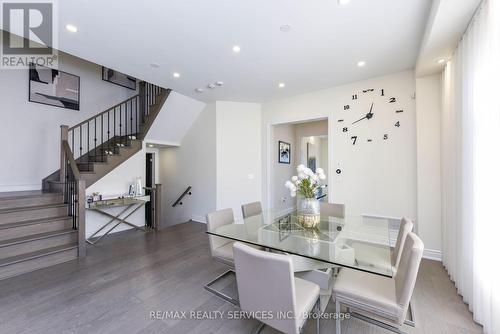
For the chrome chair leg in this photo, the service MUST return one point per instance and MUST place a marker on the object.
(209, 288)
(259, 329)
(318, 309)
(337, 321)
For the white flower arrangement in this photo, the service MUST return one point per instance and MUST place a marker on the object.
(306, 182)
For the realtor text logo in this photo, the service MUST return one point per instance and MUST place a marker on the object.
(28, 34)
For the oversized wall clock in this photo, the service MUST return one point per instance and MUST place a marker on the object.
(369, 116)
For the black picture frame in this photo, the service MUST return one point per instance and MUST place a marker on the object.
(121, 79)
(284, 152)
(63, 99)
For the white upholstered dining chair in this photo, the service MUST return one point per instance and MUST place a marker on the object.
(221, 248)
(267, 288)
(251, 209)
(367, 255)
(332, 209)
(381, 300)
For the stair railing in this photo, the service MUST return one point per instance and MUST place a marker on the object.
(73, 189)
(91, 140)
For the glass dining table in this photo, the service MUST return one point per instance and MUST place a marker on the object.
(356, 242)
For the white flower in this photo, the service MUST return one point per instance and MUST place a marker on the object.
(315, 177)
(300, 168)
(293, 193)
(302, 175)
(308, 172)
(295, 178)
(320, 171)
(322, 176)
(289, 184)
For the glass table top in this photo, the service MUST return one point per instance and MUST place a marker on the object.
(357, 242)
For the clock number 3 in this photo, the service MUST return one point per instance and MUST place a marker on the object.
(354, 138)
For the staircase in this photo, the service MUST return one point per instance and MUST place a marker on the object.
(43, 228)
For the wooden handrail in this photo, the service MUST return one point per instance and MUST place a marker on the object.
(71, 160)
(105, 111)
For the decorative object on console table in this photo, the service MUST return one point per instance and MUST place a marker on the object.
(307, 185)
(284, 152)
(53, 87)
(119, 78)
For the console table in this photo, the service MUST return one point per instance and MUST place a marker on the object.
(130, 205)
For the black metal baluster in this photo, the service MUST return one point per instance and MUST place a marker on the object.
(102, 132)
(126, 121)
(108, 129)
(80, 142)
(114, 125)
(120, 123)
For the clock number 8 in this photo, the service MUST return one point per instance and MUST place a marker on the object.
(344, 130)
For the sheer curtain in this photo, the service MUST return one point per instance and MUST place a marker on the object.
(471, 166)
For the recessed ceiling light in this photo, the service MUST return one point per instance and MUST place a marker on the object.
(219, 83)
(71, 28)
(199, 90)
(211, 86)
(154, 65)
(285, 28)
(151, 145)
(441, 61)
(236, 48)
(176, 75)
(361, 63)
(344, 2)
(281, 85)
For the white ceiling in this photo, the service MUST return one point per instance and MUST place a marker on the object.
(195, 38)
(447, 22)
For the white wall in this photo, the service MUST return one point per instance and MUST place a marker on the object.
(377, 178)
(174, 120)
(429, 162)
(283, 172)
(238, 154)
(193, 163)
(115, 184)
(31, 132)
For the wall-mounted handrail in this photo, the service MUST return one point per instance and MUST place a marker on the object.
(184, 194)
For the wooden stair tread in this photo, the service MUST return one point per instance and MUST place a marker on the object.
(37, 254)
(33, 221)
(27, 194)
(33, 207)
(33, 237)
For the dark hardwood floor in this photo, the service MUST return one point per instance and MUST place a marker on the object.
(131, 274)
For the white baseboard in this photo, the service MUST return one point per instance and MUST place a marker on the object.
(432, 254)
(199, 219)
(23, 187)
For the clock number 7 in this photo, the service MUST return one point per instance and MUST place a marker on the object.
(354, 138)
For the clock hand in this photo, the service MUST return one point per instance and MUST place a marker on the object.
(360, 120)
(368, 116)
